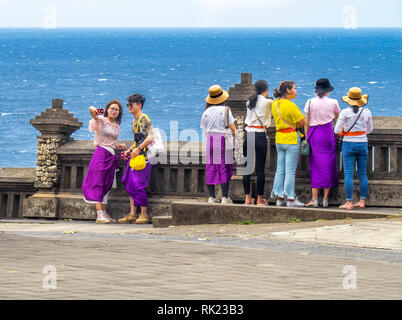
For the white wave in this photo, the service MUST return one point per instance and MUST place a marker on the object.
(100, 94)
(102, 79)
(356, 67)
(372, 82)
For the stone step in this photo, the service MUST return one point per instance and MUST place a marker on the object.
(162, 221)
(190, 213)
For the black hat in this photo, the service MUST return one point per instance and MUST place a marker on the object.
(323, 85)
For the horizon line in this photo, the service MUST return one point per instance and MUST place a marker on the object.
(86, 27)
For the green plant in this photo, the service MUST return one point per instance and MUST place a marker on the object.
(295, 220)
(245, 222)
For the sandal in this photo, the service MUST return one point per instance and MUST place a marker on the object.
(263, 203)
(346, 206)
(313, 203)
(358, 206)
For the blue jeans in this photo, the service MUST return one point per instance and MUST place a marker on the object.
(350, 152)
(285, 176)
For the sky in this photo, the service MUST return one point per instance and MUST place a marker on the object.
(200, 13)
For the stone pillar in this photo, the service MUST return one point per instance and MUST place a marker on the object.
(56, 126)
(238, 96)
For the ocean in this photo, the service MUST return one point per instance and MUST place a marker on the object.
(173, 69)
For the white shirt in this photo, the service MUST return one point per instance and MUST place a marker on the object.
(213, 119)
(264, 112)
(347, 118)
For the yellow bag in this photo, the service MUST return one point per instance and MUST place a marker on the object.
(138, 163)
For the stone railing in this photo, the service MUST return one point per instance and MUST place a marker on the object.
(56, 187)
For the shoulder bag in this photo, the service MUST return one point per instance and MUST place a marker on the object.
(339, 137)
(305, 146)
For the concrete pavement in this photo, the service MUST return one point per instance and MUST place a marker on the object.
(338, 259)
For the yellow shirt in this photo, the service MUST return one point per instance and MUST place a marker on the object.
(291, 113)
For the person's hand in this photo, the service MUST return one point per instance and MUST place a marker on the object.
(121, 146)
(93, 112)
(135, 152)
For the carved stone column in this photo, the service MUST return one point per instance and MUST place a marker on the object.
(56, 126)
(238, 96)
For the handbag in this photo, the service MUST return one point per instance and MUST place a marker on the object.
(156, 146)
(138, 162)
(339, 137)
(305, 146)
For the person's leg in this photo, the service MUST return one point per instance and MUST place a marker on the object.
(132, 215)
(277, 189)
(348, 170)
(362, 157)
(261, 158)
(246, 178)
(225, 189)
(291, 162)
(314, 198)
(211, 190)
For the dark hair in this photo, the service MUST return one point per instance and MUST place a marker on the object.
(260, 86)
(136, 98)
(282, 90)
(321, 94)
(118, 118)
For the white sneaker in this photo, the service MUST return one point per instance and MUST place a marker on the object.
(213, 200)
(280, 203)
(295, 203)
(226, 200)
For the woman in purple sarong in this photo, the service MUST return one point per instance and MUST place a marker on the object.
(320, 112)
(101, 174)
(218, 122)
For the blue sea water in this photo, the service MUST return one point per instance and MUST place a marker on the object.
(174, 68)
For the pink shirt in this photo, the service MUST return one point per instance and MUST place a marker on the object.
(106, 133)
(322, 110)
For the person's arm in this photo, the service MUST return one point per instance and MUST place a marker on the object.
(268, 115)
(300, 123)
(340, 123)
(232, 128)
(305, 122)
(369, 128)
(93, 112)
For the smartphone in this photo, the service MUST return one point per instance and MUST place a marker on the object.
(100, 111)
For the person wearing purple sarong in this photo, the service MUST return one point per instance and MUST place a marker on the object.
(136, 181)
(218, 123)
(101, 174)
(320, 112)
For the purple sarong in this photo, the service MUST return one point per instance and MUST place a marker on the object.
(219, 162)
(136, 181)
(322, 158)
(100, 175)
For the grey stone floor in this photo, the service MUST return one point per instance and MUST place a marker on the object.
(81, 260)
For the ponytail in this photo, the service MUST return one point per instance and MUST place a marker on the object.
(282, 90)
(260, 86)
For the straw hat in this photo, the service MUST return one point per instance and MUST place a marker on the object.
(355, 97)
(217, 95)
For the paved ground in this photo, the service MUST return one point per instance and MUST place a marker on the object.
(342, 259)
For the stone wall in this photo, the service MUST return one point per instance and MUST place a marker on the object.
(53, 189)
